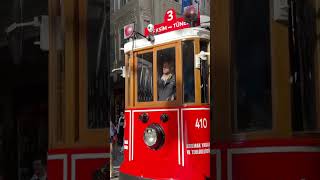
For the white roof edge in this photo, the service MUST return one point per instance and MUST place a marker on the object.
(194, 32)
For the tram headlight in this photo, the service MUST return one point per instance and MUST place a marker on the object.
(154, 136)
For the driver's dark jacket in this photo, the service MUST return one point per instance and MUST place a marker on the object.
(166, 89)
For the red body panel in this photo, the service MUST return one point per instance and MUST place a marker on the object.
(186, 150)
(287, 159)
(55, 169)
(285, 165)
(76, 164)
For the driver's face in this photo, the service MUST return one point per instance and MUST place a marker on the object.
(166, 68)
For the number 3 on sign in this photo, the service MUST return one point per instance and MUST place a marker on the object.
(170, 15)
(201, 123)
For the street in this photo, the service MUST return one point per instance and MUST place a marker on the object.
(117, 158)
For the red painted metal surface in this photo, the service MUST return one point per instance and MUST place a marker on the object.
(213, 166)
(170, 23)
(288, 159)
(185, 153)
(85, 168)
(286, 166)
(55, 169)
(76, 164)
(197, 139)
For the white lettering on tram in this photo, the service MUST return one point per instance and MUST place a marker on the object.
(198, 151)
(162, 28)
(198, 148)
(197, 145)
(179, 24)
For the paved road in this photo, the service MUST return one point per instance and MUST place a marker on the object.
(114, 178)
(117, 158)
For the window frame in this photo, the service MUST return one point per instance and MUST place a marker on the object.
(234, 89)
(155, 102)
(86, 137)
(199, 78)
(222, 79)
(57, 96)
(136, 80)
(195, 73)
(274, 130)
(315, 131)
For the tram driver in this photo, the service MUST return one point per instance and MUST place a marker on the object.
(167, 83)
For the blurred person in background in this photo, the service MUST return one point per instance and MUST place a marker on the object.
(39, 171)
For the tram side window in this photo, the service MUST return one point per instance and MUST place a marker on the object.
(145, 77)
(166, 74)
(188, 71)
(204, 74)
(252, 66)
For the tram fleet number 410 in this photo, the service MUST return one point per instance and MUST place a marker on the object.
(201, 123)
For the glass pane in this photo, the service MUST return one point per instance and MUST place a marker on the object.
(145, 77)
(252, 65)
(122, 42)
(128, 78)
(188, 71)
(303, 43)
(166, 74)
(204, 73)
(98, 64)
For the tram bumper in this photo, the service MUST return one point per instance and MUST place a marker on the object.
(136, 171)
(123, 176)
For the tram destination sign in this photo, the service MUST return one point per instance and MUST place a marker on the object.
(171, 23)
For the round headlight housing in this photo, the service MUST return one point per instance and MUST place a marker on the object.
(154, 136)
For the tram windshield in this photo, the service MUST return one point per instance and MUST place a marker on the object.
(166, 74)
(145, 77)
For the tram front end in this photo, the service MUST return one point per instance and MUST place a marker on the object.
(167, 116)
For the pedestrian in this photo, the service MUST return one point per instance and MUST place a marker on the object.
(113, 132)
(120, 130)
(39, 170)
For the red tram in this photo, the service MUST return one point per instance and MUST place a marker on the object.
(167, 116)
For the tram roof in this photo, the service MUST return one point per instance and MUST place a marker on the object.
(194, 32)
